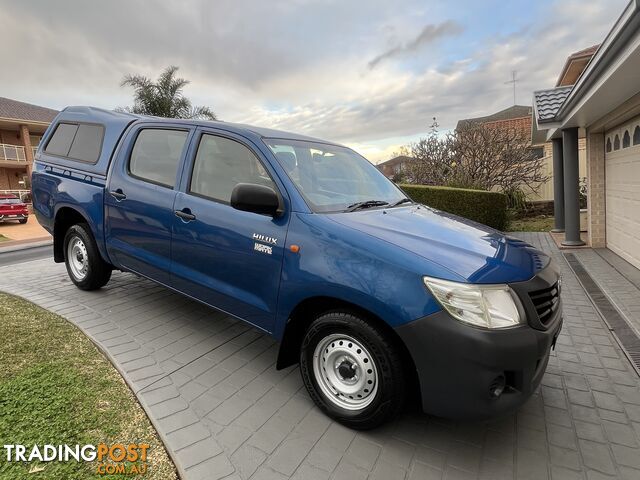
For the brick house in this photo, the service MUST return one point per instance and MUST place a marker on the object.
(21, 127)
(601, 103)
(394, 167)
(517, 117)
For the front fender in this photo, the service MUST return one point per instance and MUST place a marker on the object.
(342, 263)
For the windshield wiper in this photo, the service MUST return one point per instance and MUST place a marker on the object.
(400, 202)
(366, 204)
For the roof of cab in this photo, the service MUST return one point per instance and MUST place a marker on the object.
(231, 127)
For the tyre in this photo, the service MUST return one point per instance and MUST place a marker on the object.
(23, 221)
(86, 268)
(352, 370)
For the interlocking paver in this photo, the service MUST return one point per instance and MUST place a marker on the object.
(209, 381)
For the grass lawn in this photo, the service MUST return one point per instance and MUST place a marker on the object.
(541, 223)
(57, 388)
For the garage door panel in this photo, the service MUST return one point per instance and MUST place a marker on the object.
(622, 181)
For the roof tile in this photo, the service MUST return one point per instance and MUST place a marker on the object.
(548, 102)
(25, 111)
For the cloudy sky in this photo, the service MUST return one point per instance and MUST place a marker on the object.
(368, 73)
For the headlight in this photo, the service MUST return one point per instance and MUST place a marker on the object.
(488, 306)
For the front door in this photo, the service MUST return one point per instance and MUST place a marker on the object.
(139, 200)
(227, 258)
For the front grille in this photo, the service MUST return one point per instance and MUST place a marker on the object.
(546, 302)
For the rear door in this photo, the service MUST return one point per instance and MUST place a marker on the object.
(141, 191)
(222, 256)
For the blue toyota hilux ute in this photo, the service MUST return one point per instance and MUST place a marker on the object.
(376, 297)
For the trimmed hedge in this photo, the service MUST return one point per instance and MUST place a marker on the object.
(481, 206)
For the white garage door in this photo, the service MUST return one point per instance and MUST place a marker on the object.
(622, 161)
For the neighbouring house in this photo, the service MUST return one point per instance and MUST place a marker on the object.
(395, 167)
(601, 103)
(520, 118)
(21, 128)
(517, 117)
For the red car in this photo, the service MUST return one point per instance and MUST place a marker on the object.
(12, 208)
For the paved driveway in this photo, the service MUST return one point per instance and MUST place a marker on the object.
(29, 231)
(210, 386)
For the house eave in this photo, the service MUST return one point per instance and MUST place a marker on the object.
(621, 45)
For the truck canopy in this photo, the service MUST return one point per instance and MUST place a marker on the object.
(86, 140)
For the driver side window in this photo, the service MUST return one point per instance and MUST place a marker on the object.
(221, 164)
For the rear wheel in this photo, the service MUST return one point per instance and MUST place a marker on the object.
(85, 266)
(352, 371)
(23, 221)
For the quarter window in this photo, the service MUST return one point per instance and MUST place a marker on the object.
(221, 164)
(156, 155)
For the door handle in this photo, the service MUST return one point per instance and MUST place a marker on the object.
(185, 214)
(118, 194)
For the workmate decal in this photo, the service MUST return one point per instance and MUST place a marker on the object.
(258, 247)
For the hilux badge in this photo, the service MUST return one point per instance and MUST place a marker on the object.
(259, 237)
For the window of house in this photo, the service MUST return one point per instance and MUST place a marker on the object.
(156, 155)
(608, 148)
(538, 152)
(626, 139)
(636, 135)
(77, 141)
(616, 142)
(221, 164)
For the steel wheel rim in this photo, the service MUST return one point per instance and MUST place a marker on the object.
(345, 372)
(77, 258)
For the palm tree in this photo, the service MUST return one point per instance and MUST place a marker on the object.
(163, 98)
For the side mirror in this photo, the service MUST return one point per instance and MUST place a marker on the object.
(251, 197)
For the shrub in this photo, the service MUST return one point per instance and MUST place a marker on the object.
(481, 206)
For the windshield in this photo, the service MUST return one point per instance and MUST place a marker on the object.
(6, 200)
(333, 178)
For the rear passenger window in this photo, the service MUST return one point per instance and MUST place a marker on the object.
(221, 164)
(60, 142)
(156, 155)
(77, 141)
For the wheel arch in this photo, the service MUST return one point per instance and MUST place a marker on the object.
(65, 218)
(309, 309)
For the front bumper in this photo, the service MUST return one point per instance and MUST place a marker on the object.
(457, 364)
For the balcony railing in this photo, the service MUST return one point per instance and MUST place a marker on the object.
(24, 195)
(12, 153)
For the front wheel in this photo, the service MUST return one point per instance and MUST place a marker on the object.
(352, 370)
(23, 221)
(85, 266)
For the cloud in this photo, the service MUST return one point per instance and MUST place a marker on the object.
(300, 66)
(429, 34)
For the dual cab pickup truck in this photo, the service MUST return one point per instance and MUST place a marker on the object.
(376, 297)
